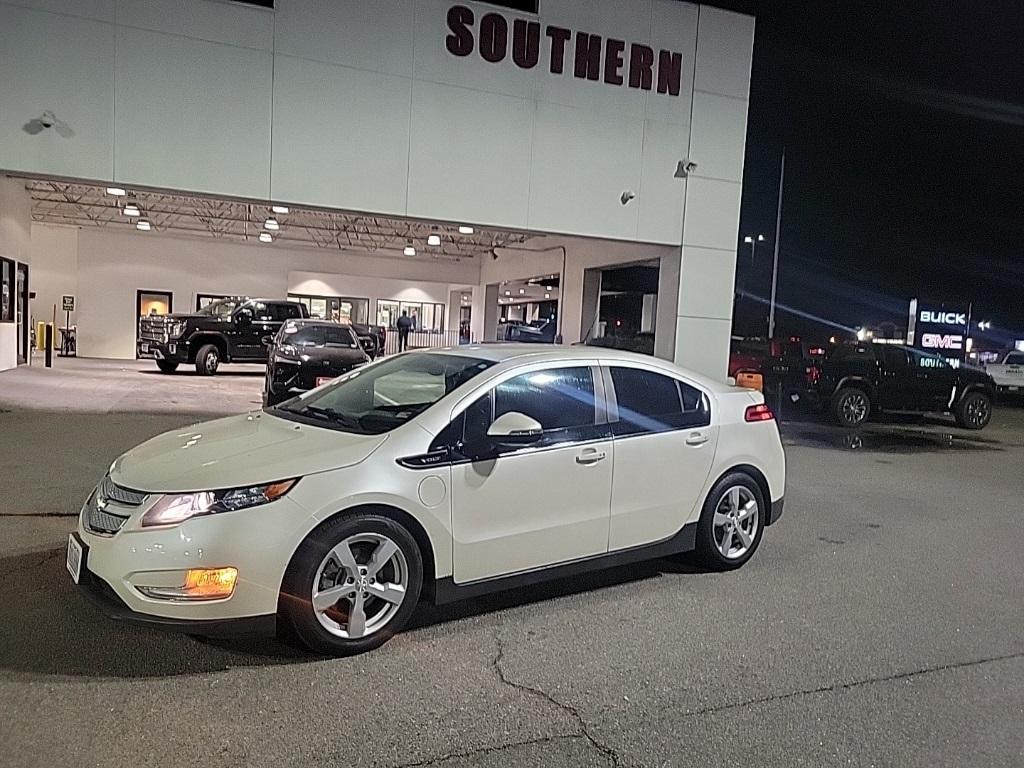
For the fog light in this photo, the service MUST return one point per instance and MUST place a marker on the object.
(210, 582)
(200, 584)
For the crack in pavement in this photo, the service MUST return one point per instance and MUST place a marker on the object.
(604, 749)
(583, 734)
(491, 750)
(849, 686)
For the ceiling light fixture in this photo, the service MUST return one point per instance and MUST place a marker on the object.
(266, 237)
(143, 225)
(131, 209)
(522, 290)
(279, 208)
(410, 250)
(547, 295)
(116, 191)
(272, 224)
(508, 293)
(465, 230)
(434, 239)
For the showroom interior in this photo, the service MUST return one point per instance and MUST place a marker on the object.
(375, 169)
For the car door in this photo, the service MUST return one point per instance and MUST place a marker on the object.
(664, 447)
(518, 509)
(932, 381)
(896, 380)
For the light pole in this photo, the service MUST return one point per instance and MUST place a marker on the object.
(778, 237)
(753, 244)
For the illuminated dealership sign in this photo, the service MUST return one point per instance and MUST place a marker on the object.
(941, 330)
(591, 57)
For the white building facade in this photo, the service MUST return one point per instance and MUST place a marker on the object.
(591, 128)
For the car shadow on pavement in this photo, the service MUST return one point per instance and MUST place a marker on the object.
(48, 628)
(428, 615)
(195, 375)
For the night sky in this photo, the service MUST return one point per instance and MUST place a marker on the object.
(903, 124)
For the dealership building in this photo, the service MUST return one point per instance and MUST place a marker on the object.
(472, 164)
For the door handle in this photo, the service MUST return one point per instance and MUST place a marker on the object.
(697, 439)
(591, 457)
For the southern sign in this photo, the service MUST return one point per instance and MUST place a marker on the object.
(590, 57)
(67, 303)
(940, 329)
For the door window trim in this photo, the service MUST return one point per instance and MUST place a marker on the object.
(613, 402)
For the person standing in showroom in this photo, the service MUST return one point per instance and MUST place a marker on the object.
(405, 324)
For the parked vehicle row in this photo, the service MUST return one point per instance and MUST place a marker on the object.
(333, 513)
(1008, 372)
(232, 330)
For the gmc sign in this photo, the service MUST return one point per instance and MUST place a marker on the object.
(942, 341)
(942, 330)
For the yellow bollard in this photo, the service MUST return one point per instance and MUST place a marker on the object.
(40, 335)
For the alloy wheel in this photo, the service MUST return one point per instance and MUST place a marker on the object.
(211, 361)
(854, 408)
(736, 520)
(360, 585)
(978, 412)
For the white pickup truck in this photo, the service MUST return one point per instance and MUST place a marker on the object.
(1008, 371)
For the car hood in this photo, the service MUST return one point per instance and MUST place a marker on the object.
(237, 451)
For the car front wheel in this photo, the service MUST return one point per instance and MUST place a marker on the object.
(851, 407)
(207, 360)
(731, 523)
(974, 411)
(352, 584)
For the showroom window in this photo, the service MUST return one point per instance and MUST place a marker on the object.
(651, 402)
(339, 309)
(6, 291)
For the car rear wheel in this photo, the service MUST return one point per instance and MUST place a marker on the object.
(731, 523)
(207, 360)
(352, 585)
(167, 366)
(851, 407)
(974, 411)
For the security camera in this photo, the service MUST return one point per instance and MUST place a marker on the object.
(627, 196)
(684, 168)
(48, 119)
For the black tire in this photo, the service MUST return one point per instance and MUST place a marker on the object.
(974, 411)
(167, 366)
(851, 407)
(295, 608)
(709, 539)
(207, 360)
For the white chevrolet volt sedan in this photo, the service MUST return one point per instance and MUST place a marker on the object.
(442, 474)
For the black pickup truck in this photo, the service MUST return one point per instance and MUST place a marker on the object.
(854, 381)
(232, 330)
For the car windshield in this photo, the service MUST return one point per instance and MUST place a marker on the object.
(219, 308)
(380, 397)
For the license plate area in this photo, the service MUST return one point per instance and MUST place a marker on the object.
(76, 554)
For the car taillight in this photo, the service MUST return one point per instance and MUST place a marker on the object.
(759, 413)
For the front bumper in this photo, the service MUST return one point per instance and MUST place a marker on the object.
(259, 542)
(106, 599)
(172, 351)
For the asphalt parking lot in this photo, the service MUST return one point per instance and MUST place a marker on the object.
(879, 624)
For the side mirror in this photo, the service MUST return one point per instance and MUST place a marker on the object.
(267, 340)
(514, 428)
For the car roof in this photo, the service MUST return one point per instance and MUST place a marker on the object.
(502, 352)
(316, 321)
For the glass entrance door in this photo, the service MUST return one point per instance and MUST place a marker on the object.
(21, 313)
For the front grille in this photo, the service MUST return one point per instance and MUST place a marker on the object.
(101, 521)
(153, 329)
(99, 518)
(112, 492)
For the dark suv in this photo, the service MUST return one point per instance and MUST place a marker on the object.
(231, 330)
(854, 381)
(307, 353)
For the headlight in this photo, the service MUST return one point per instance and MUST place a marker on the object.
(176, 328)
(178, 507)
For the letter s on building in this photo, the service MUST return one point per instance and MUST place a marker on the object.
(460, 41)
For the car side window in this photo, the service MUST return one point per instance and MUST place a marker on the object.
(286, 311)
(1015, 359)
(895, 358)
(651, 402)
(261, 312)
(339, 337)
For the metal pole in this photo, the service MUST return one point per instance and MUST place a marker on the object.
(778, 233)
